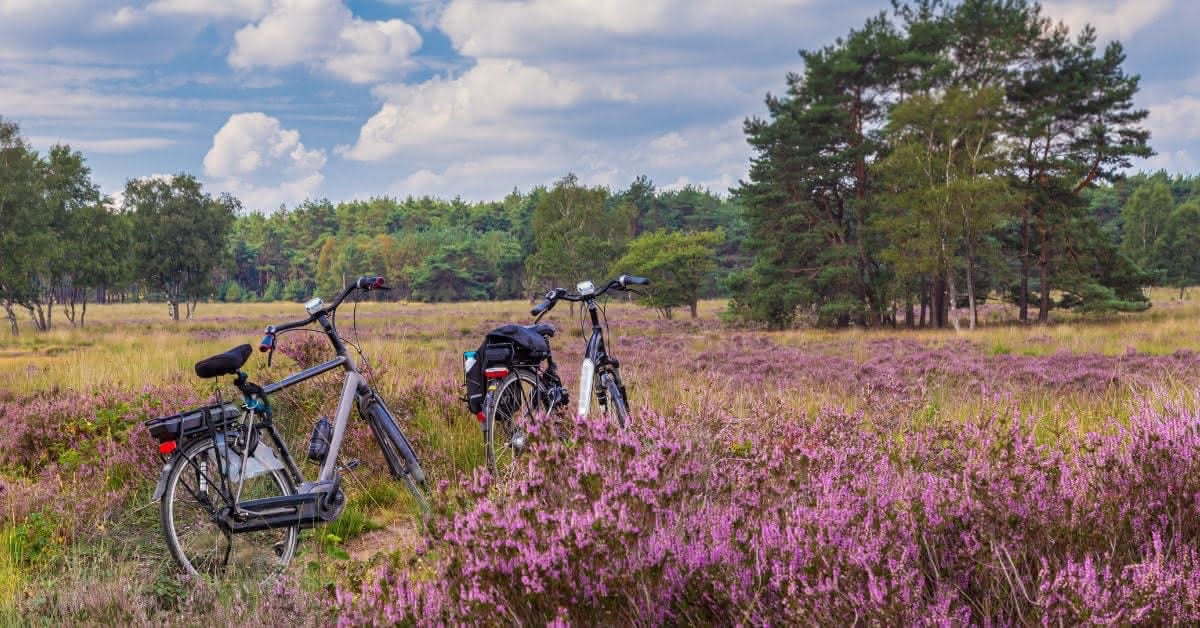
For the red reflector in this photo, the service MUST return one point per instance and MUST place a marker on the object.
(167, 447)
(496, 372)
(479, 415)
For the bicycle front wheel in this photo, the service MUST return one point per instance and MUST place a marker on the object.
(398, 453)
(616, 406)
(190, 504)
(508, 409)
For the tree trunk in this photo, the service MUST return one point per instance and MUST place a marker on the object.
(83, 313)
(12, 318)
(924, 296)
(971, 283)
(1044, 264)
(69, 305)
(694, 307)
(908, 312)
(952, 301)
(937, 314)
(1024, 296)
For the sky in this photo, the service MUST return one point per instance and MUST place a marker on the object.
(277, 101)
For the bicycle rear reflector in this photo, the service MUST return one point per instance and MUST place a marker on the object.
(167, 447)
(496, 372)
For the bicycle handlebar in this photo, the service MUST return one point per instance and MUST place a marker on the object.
(365, 283)
(620, 283)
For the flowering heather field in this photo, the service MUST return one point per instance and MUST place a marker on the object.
(1008, 476)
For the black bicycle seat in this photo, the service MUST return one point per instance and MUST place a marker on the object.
(545, 329)
(226, 363)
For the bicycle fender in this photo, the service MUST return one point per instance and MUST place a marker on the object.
(161, 487)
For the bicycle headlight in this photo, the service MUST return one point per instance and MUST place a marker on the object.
(585, 288)
(314, 305)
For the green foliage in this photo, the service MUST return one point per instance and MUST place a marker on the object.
(181, 235)
(296, 290)
(1145, 215)
(994, 124)
(676, 263)
(58, 237)
(34, 542)
(577, 233)
(1176, 250)
(234, 293)
(274, 291)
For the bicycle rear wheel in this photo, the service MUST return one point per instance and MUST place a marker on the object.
(190, 504)
(508, 409)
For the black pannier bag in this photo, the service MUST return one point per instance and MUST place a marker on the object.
(508, 345)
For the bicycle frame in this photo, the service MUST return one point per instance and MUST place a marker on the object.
(595, 360)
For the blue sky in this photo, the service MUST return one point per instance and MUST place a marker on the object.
(281, 100)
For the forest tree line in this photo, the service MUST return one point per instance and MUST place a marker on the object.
(944, 154)
(63, 244)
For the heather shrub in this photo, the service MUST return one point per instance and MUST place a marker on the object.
(827, 519)
(75, 458)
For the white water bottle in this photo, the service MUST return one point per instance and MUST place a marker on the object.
(586, 373)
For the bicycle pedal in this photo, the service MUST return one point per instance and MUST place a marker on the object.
(349, 466)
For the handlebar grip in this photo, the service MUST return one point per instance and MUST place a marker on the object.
(633, 280)
(541, 307)
(268, 343)
(370, 283)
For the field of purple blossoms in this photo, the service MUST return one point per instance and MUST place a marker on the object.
(1011, 477)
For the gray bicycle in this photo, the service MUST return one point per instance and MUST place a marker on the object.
(227, 473)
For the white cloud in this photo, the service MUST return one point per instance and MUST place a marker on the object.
(482, 179)
(483, 106)
(699, 148)
(263, 164)
(491, 28)
(1176, 119)
(115, 146)
(244, 9)
(324, 34)
(714, 157)
(1178, 162)
(1113, 19)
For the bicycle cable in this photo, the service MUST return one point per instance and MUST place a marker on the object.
(354, 330)
(607, 331)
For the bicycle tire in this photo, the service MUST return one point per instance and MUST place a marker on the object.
(615, 405)
(502, 408)
(398, 453)
(199, 558)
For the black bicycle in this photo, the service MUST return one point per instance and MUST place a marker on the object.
(227, 472)
(523, 393)
(508, 388)
(600, 374)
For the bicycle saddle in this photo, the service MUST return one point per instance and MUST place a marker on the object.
(545, 329)
(226, 363)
